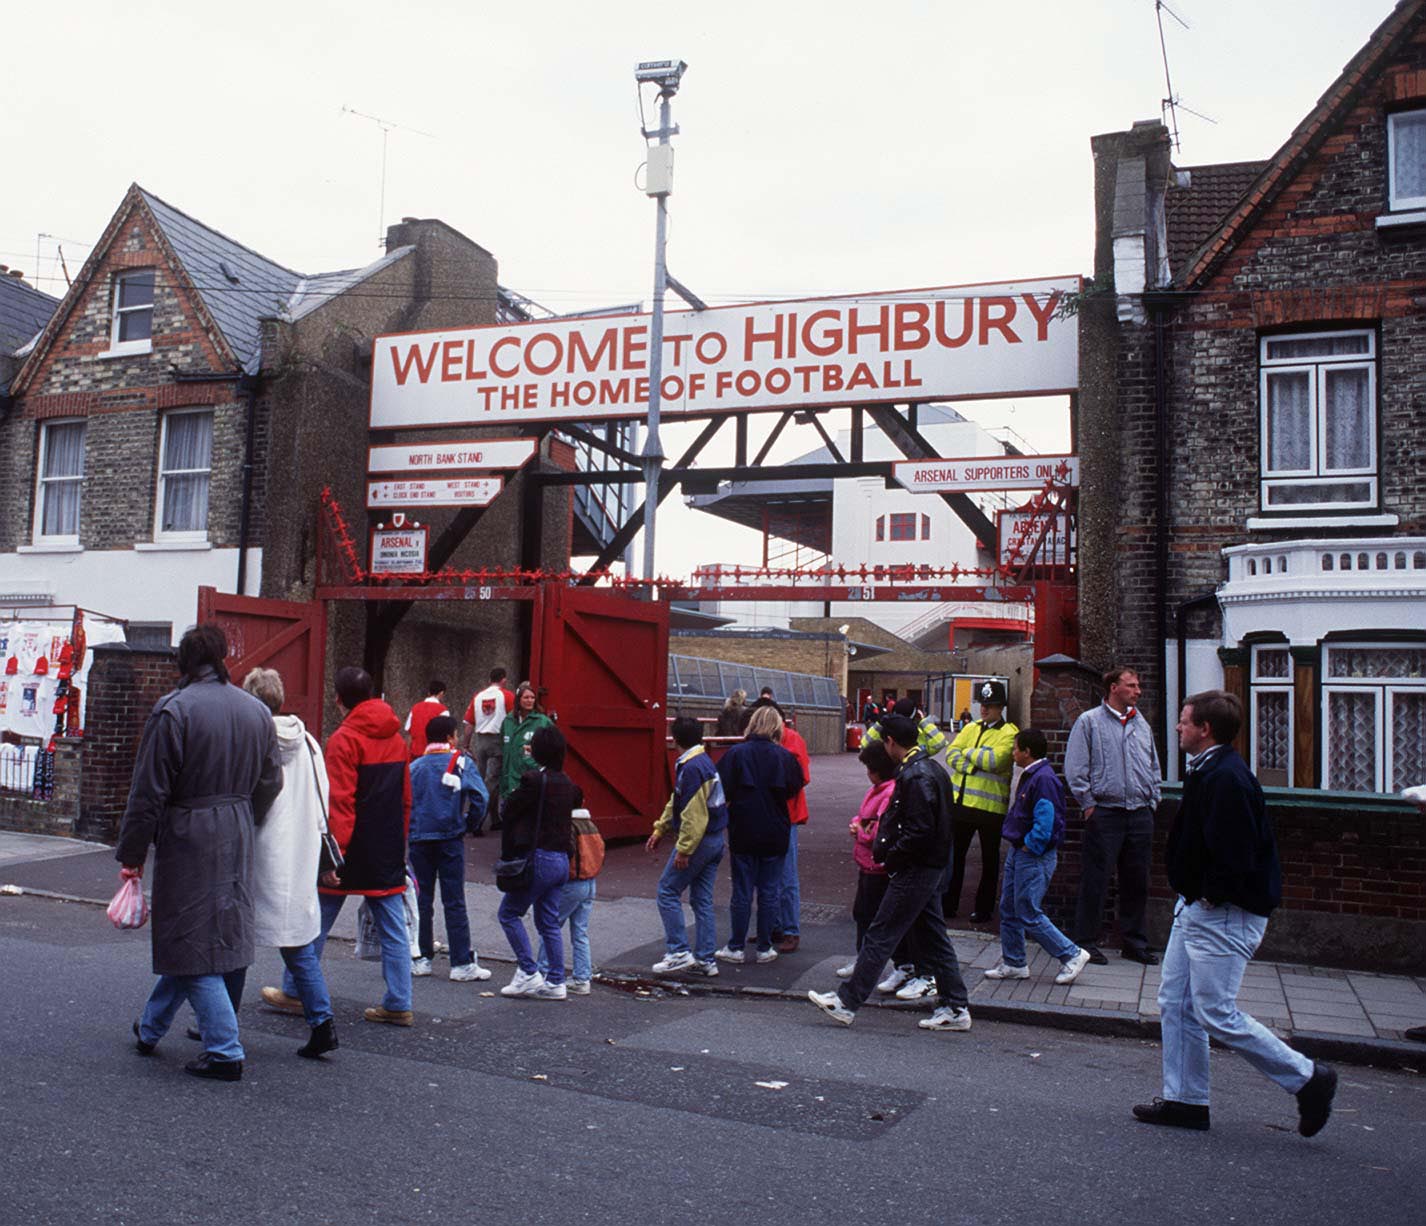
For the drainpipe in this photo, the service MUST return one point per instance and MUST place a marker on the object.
(247, 385)
(1162, 460)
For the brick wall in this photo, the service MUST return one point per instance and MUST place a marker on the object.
(819, 657)
(56, 816)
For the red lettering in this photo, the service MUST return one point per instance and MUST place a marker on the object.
(753, 337)
(911, 330)
(603, 352)
(708, 359)
(543, 368)
(722, 380)
(748, 382)
(807, 372)
(413, 354)
(634, 345)
(695, 383)
(881, 329)
(777, 381)
(831, 378)
(861, 377)
(584, 392)
(559, 395)
(613, 393)
(677, 343)
(495, 349)
(450, 362)
(967, 324)
(830, 340)
(1042, 314)
(470, 370)
(1000, 322)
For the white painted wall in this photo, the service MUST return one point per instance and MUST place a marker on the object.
(1202, 671)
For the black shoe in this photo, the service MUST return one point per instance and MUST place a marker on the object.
(477, 834)
(1173, 1115)
(1096, 955)
(1314, 1100)
(980, 917)
(1416, 1034)
(195, 1034)
(324, 1039)
(144, 1049)
(1137, 955)
(215, 1069)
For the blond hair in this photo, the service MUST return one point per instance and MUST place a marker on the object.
(265, 684)
(766, 722)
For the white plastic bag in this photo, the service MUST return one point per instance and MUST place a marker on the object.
(368, 939)
(128, 908)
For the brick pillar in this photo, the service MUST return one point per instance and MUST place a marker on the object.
(1304, 716)
(1235, 680)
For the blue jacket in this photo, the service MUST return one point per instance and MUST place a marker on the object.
(1036, 817)
(437, 810)
(759, 778)
(697, 808)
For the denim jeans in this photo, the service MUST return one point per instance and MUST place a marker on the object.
(1198, 999)
(697, 879)
(789, 910)
(389, 911)
(543, 894)
(212, 999)
(1027, 877)
(441, 860)
(911, 905)
(576, 902)
(763, 874)
(1123, 838)
(304, 967)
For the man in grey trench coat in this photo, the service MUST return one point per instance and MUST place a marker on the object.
(207, 769)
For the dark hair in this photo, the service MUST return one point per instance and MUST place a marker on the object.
(687, 731)
(901, 730)
(435, 686)
(1033, 742)
(439, 728)
(1115, 674)
(353, 685)
(548, 747)
(906, 707)
(497, 674)
(875, 758)
(201, 647)
(765, 692)
(1220, 710)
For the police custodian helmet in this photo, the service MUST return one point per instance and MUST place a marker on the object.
(992, 693)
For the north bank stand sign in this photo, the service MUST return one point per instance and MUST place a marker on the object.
(954, 343)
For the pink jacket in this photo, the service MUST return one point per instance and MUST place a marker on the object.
(864, 825)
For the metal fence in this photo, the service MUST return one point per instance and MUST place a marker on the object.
(691, 677)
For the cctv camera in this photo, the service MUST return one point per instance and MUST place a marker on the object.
(666, 74)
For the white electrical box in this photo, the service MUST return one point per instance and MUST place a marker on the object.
(658, 172)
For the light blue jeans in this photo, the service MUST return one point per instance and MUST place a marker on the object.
(576, 902)
(389, 912)
(1022, 891)
(762, 874)
(1208, 951)
(212, 1002)
(697, 879)
(304, 968)
(789, 910)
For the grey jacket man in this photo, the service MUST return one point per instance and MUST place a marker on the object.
(1112, 762)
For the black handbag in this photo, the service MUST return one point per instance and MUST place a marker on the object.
(518, 872)
(330, 859)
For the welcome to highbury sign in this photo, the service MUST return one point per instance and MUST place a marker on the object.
(954, 343)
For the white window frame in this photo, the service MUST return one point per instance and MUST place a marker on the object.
(1397, 203)
(159, 535)
(1383, 691)
(116, 346)
(1317, 474)
(1273, 685)
(38, 535)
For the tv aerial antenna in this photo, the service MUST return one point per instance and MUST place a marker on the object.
(387, 127)
(1172, 103)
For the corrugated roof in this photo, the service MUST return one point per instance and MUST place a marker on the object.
(1193, 213)
(24, 310)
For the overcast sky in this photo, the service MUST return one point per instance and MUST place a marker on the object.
(826, 147)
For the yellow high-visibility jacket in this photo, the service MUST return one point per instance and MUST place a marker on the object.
(979, 761)
(929, 736)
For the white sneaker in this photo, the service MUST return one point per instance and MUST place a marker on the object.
(915, 989)
(709, 969)
(420, 967)
(1005, 971)
(1072, 968)
(523, 984)
(845, 970)
(674, 962)
(471, 972)
(548, 991)
(946, 1018)
(729, 954)
(767, 955)
(831, 1004)
(440, 947)
(577, 987)
(897, 976)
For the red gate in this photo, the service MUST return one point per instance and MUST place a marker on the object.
(603, 658)
(286, 635)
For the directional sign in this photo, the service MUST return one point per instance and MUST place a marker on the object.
(477, 453)
(434, 492)
(986, 473)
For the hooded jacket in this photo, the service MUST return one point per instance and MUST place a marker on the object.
(865, 823)
(370, 804)
(288, 845)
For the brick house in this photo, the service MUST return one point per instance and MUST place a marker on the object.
(174, 422)
(1252, 422)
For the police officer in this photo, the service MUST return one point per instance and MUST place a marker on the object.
(980, 761)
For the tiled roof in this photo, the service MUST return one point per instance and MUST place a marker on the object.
(312, 292)
(24, 310)
(1193, 213)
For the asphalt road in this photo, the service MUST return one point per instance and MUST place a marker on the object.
(633, 1108)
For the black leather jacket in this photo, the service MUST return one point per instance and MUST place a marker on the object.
(915, 830)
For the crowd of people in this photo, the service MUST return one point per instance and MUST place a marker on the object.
(262, 836)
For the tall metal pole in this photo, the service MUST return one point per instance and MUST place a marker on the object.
(653, 454)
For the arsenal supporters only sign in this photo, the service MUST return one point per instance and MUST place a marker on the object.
(940, 344)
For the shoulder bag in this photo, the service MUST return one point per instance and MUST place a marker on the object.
(330, 860)
(518, 872)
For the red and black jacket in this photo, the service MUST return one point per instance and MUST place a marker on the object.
(370, 804)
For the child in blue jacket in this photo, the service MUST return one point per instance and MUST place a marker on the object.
(1034, 827)
(443, 782)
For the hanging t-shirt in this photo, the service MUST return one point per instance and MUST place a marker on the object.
(488, 709)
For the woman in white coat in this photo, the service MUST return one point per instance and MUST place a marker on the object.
(285, 866)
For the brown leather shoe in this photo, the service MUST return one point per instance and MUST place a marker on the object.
(789, 944)
(276, 998)
(392, 1017)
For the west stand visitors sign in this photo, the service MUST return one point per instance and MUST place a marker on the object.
(962, 342)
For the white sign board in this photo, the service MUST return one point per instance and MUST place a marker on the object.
(434, 492)
(1021, 529)
(1027, 472)
(484, 453)
(398, 551)
(954, 343)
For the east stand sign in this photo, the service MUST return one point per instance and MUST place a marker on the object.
(955, 343)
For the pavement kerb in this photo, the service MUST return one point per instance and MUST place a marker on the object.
(1374, 1053)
